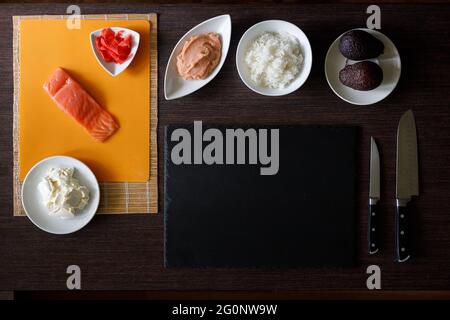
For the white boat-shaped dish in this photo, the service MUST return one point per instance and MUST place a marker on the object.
(174, 85)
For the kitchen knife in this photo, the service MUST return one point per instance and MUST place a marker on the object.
(374, 197)
(407, 183)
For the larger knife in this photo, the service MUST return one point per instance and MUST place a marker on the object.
(407, 183)
(374, 197)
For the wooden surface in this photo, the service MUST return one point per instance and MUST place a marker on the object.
(234, 295)
(6, 295)
(126, 252)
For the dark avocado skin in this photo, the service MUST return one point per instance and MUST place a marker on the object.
(363, 76)
(360, 45)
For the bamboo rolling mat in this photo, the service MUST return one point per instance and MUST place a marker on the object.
(117, 197)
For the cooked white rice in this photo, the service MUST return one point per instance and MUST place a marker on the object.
(274, 59)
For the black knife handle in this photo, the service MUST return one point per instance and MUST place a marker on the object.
(402, 230)
(373, 228)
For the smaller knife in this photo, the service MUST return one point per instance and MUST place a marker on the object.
(374, 197)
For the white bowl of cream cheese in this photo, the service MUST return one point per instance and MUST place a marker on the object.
(60, 195)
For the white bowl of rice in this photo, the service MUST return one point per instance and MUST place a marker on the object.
(274, 58)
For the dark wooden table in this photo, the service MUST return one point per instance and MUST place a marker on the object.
(126, 252)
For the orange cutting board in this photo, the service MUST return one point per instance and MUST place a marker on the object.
(46, 131)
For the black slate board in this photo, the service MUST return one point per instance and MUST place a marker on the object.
(231, 216)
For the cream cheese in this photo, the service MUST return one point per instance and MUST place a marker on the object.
(62, 194)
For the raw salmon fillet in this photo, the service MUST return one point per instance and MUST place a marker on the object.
(71, 98)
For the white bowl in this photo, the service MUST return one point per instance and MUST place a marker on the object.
(277, 26)
(113, 68)
(35, 208)
(174, 85)
(389, 61)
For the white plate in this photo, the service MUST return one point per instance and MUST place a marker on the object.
(389, 62)
(174, 85)
(35, 208)
(114, 68)
(278, 26)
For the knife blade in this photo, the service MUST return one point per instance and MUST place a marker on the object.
(407, 184)
(374, 197)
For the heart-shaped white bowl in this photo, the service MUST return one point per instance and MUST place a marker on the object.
(113, 68)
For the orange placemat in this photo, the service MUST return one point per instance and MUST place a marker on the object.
(126, 165)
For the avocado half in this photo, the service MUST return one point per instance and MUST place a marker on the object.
(363, 76)
(360, 45)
